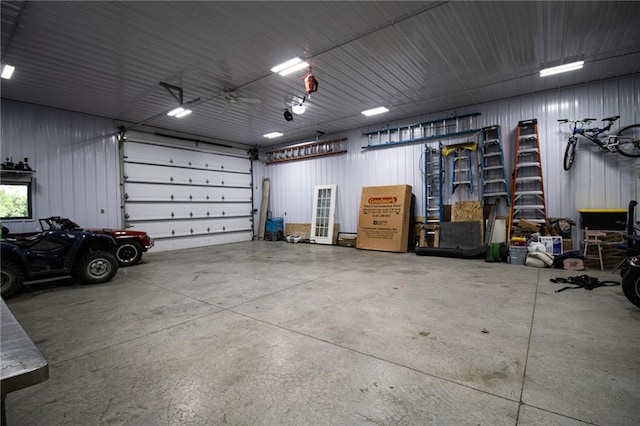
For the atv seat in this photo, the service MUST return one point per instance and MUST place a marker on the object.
(42, 241)
(26, 242)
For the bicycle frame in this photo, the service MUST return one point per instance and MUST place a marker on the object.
(596, 135)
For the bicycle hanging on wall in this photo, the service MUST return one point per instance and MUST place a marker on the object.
(626, 142)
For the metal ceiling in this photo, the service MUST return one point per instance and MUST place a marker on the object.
(107, 58)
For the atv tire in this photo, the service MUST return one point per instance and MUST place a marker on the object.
(12, 278)
(631, 285)
(128, 253)
(97, 267)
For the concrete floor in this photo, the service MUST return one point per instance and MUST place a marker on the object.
(272, 333)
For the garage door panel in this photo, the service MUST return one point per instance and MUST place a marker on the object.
(163, 211)
(175, 157)
(173, 175)
(183, 228)
(181, 193)
(186, 197)
(200, 241)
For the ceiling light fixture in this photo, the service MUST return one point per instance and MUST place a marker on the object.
(375, 111)
(175, 111)
(273, 135)
(183, 113)
(298, 109)
(286, 64)
(290, 66)
(7, 71)
(561, 68)
(179, 112)
(294, 68)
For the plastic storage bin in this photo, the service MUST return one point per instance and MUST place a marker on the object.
(517, 255)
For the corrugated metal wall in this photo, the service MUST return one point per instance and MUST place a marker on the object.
(597, 179)
(75, 159)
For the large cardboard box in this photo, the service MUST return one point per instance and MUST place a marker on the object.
(383, 223)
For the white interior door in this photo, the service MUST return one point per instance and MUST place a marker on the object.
(324, 208)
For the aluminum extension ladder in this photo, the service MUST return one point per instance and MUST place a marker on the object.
(434, 179)
(494, 174)
(527, 195)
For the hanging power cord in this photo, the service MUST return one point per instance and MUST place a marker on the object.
(583, 281)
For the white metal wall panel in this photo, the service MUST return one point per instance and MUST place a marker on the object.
(596, 180)
(186, 195)
(76, 162)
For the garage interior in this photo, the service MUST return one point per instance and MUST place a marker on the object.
(225, 322)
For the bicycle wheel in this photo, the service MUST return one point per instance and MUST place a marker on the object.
(570, 153)
(629, 141)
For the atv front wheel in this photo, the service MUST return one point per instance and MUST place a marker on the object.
(97, 267)
(12, 277)
(631, 285)
(129, 252)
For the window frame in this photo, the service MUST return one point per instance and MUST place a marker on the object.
(10, 179)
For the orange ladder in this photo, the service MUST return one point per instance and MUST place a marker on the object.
(527, 188)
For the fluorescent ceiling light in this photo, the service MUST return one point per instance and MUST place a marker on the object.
(294, 68)
(561, 68)
(183, 113)
(290, 66)
(7, 71)
(175, 111)
(375, 111)
(285, 65)
(298, 109)
(179, 112)
(273, 135)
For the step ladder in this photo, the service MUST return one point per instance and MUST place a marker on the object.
(527, 195)
(434, 177)
(462, 168)
(494, 174)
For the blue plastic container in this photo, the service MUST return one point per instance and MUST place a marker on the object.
(275, 224)
(275, 229)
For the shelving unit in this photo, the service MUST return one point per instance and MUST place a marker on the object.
(16, 175)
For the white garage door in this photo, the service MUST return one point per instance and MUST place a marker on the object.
(186, 193)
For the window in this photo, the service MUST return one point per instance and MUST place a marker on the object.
(15, 201)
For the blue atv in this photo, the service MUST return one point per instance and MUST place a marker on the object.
(54, 255)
